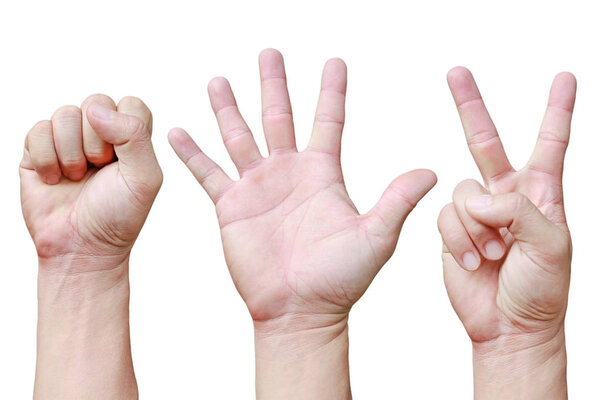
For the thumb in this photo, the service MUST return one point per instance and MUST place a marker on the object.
(130, 137)
(519, 215)
(398, 200)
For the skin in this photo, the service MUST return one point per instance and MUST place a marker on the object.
(84, 210)
(511, 295)
(299, 252)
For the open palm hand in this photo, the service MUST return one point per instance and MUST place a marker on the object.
(294, 242)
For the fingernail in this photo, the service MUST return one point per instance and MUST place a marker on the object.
(479, 202)
(470, 261)
(101, 112)
(494, 250)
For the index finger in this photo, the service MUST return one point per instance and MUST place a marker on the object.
(481, 134)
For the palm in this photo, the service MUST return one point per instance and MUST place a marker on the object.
(293, 240)
(290, 232)
(504, 296)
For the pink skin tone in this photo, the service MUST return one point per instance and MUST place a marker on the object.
(299, 252)
(507, 250)
(84, 211)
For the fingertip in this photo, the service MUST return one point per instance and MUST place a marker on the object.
(76, 174)
(567, 77)
(494, 250)
(176, 135)
(218, 84)
(270, 62)
(563, 91)
(220, 94)
(426, 176)
(182, 143)
(414, 185)
(462, 85)
(457, 74)
(336, 62)
(268, 54)
(335, 67)
(335, 76)
(470, 261)
(51, 179)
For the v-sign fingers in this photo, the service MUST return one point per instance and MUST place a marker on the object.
(482, 137)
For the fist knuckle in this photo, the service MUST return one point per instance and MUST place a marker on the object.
(42, 126)
(66, 114)
(39, 131)
(97, 98)
(132, 103)
(465, 185)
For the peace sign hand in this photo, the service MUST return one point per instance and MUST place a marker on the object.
(507, 247)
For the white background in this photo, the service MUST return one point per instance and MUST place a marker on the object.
(191, 333)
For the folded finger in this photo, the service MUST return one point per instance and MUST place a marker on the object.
(488, 240)
(39, 144)
(96, 150)
(457, 239)
(68, 141)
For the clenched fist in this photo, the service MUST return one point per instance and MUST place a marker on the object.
(88, 179)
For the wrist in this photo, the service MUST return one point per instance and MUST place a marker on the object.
(83, 330)
(531, 366)
(311, 330)
(302, 357)
(73, 280)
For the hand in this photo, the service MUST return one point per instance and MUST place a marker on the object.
(88, 179)
(78, 201)
(298, 250)
(507, 248)
(294, 242)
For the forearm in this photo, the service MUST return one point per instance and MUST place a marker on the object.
(83, 332)
(308, 363)
(517, 368)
